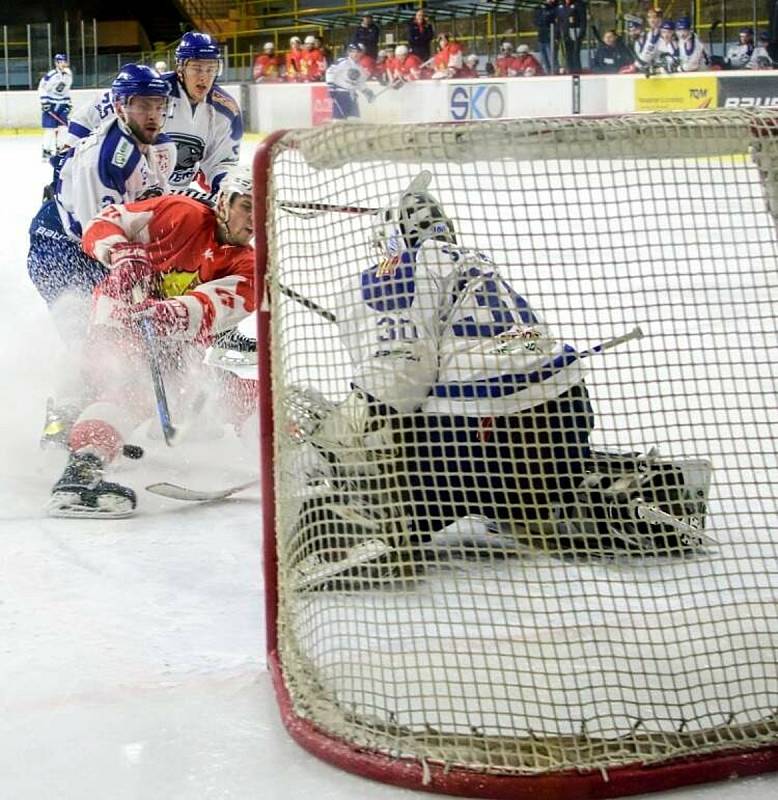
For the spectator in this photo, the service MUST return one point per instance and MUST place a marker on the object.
(326, 52)
(470, 70)
(739, 56)
(420, 36)
(571, 18)
(548, 30)
(293, 59)
(450, 59)
(405, 66)
(502, 63)
(692, 55)
(367, 34)
(267, 66)
(313, 64)
(760, 58)
(612, 55)
(525, 65)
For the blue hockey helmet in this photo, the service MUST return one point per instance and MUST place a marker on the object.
(138, 80)
(355, 47)
(198, 47)
(683, 24)
(633, 22)
(746, 32)
(60, 58)
(667, 25)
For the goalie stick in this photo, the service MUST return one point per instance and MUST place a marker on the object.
(176, 492)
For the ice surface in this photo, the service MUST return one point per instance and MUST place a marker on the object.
(131, 651)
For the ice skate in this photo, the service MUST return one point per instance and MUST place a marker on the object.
(81, 492)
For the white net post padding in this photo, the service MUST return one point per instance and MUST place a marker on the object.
(432, 621)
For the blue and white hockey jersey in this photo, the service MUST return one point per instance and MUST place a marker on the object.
(110, 167)
(439, 330)
(207, 135)
(55, 85)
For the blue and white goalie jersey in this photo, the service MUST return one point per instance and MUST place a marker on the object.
(439, 330)
(207, 135)
(109, 167)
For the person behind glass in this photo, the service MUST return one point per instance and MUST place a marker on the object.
(548, 30)
(667, 50)
(267, 65)
(382, 62)
(470, 70)
(420, 36)
(502, 63)
(612, 54)
(367, 34)
(739, 56)
(313, 63)
(293, 59)
(525, 65)
(450, 58)
(692, 55)
(571, 18)
(404, 67)
(760, 58)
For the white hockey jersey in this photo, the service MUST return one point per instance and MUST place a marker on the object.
(646, 49)
(109, 167)
(438, 330)
(55, 85)
(760, 59)
(739, 56)
(692, 54)
(346, 75)
(207, 135)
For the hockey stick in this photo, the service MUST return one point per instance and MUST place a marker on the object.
(176, 492)
(635, 333)
(325, 207)
(163, 410)
(57, 118)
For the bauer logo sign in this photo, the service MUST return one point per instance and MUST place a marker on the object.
(748, 92)
(675, 93)
(476, 101)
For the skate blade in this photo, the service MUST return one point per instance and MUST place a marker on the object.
(68, 505)
(313, 572)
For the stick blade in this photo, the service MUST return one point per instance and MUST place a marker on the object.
(184, 493)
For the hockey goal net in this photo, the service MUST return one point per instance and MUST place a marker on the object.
(423, 627)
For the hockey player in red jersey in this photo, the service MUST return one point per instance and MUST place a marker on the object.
(182, 270)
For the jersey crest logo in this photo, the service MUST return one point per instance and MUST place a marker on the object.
(223, 99)
(189, 151)
(208, 254)
(387, 267)
(122, 153)
(178, 282)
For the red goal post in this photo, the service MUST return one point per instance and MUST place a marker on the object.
(540, 674)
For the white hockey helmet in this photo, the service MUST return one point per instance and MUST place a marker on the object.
(401, 50)
(295, 40)
(268, 47)
(506, 46)
(416, 218)
(471, 59)
(311, 40)
(238, 181)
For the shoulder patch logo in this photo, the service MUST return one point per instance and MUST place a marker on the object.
(223, 99)
(122, 153)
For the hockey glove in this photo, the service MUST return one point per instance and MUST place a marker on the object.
(167, 317)
(132, 273)
(369, 95)
(46, 107)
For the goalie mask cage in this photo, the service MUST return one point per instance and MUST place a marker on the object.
(480, 665)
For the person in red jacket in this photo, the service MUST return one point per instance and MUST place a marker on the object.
(313, 64)
(405, 66)
(525, 65)
(503, 62)
(470, 70)
(449, 60)
(294, 59)
(267, 66)
(179, 273)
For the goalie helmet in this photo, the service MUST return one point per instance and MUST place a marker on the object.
(416, 218)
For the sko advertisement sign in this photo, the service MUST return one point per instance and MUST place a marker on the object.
(748, 91)
(476, 101)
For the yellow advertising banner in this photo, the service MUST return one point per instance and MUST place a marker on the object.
(676, 93)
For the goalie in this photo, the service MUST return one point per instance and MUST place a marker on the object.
(464, 404)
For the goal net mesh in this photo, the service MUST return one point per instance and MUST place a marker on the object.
(428, 609)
